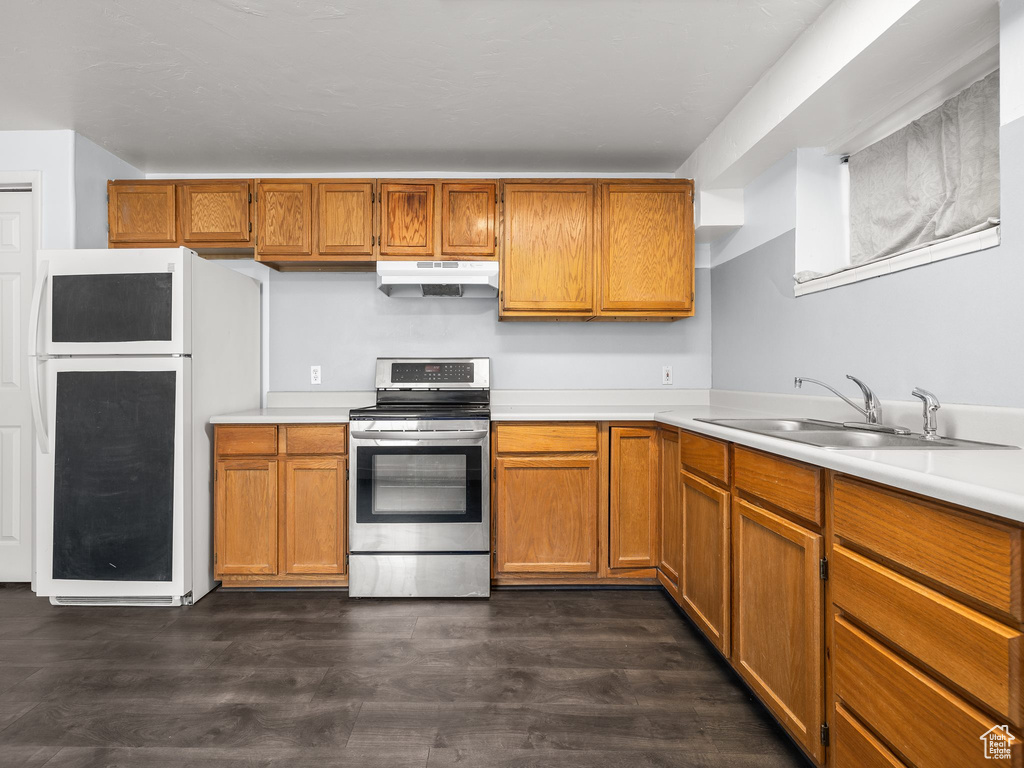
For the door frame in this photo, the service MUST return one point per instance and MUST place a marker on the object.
(33, 181)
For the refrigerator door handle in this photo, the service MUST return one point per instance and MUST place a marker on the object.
(36, 306)
(33, 363)
(37, 406)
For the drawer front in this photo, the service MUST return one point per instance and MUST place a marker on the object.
(971, 556)
(704, 456)
(556, 437)
(976, 653)
(929, 725)
(247, 440)
(855, 747)
(789, 485)
(316, 439)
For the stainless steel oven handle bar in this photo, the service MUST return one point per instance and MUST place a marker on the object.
(419, 434)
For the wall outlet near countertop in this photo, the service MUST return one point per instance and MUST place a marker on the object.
(666, 374)
(314, 374)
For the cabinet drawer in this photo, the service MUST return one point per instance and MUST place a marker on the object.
(929, 725)
(968, 555)
(316, 439)
(976, 653)
(547, 438)
(789, 485)
(855, 747)
(704, 456)
(247, 440)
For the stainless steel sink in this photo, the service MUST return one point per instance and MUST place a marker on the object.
(834, 436)
(776, 425)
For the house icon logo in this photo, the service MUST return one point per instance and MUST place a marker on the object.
(997, 742)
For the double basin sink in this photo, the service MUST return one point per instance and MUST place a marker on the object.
(836, 436)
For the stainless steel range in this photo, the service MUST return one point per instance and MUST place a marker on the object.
(419, 506)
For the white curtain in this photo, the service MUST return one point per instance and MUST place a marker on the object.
(931, 180)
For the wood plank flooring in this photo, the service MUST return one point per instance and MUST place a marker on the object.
(527, 679)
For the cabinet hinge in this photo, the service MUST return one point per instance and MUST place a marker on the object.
(495, 241)
(824, 734)
(823, 568)
(346, 473)
(373, 198)
(250, 198)
(214, 558)
(494, 472)
(250, 227)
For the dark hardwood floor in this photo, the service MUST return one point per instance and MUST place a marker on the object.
(525, 679)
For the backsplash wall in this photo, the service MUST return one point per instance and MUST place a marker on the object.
(342, 323)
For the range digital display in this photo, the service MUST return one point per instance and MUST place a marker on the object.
(432, 373)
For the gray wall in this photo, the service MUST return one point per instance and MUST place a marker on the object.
(343, 323)
(955, 327)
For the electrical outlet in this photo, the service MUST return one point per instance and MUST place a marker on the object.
(314, 374)
(666, 374)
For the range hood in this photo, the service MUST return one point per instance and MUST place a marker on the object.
(472, 279)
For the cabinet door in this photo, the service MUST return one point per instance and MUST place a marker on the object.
(141, 214)
(647, 248)
(548, 249)
(704, 583)
(670, 559)
(284, 218)
(245, 538)
(407, 219)
(214, 212)
(546, 514)
(345, 220)
(467, 219)
(314, 516)
(633, 535)
(777, 618)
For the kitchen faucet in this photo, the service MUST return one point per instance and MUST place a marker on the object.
(872, 410)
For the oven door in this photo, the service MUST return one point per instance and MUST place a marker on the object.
(419, 495)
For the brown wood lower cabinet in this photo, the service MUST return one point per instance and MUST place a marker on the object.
(633, 499)
(547, 514)
(670, 549)
(280, 505)
(705, 575)
(778, 622)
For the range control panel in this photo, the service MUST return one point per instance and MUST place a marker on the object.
(432, 373)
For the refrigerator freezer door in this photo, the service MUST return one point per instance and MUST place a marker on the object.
(113, 302)
(111, 480)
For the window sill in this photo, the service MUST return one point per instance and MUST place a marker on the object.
(947, 249)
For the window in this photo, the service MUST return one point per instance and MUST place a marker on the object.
(930, 190)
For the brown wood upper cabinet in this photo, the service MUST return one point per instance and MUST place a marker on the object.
(647, 249)
(407, 219)
(434, 219)
(587, 249)
(284, 214)
(548, 250)
(141, 213)
(468, 213)
(208, 215)
(316, 223)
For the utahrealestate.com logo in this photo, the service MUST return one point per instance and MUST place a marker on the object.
(997, 742)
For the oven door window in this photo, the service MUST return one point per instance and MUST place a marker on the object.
(430, 484)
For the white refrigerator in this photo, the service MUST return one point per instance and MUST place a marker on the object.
(131, 352)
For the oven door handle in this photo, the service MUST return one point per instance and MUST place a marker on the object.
(420, 434)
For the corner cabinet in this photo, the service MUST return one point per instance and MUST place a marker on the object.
(280, 505)
(587, 249)
(213, 216)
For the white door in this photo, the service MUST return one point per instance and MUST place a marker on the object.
(16, 259)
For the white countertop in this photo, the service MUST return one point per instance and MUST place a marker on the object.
(284, 416)
(990, 481)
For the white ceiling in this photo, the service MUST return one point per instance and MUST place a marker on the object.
(390, 85)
